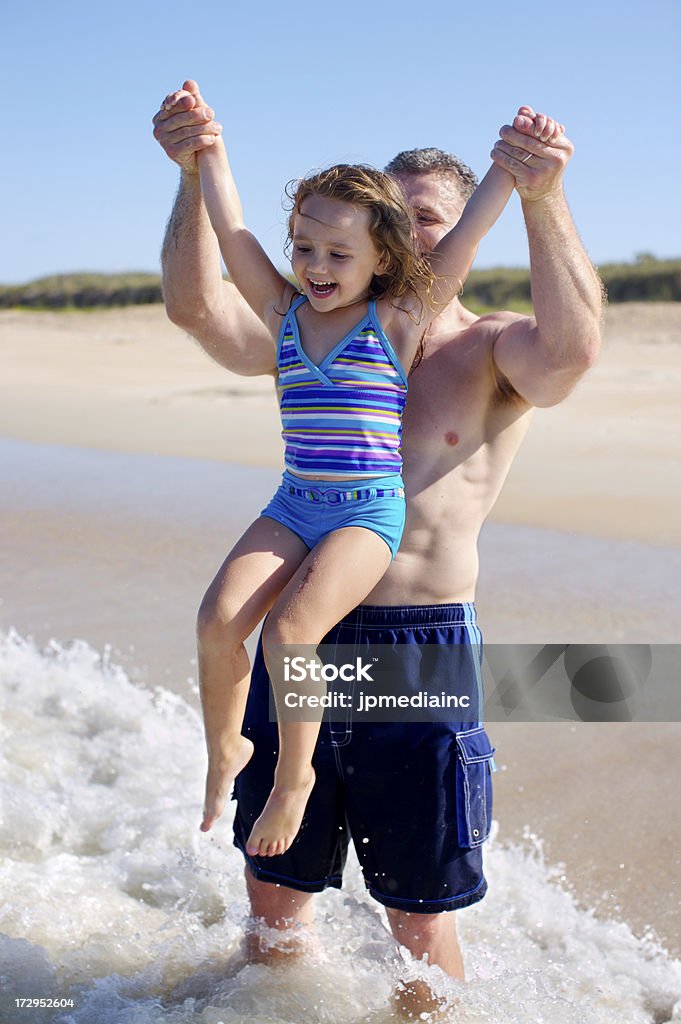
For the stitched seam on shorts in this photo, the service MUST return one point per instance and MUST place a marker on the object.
(289, 878)
(411, 626)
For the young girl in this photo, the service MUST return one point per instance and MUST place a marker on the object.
(345, 341)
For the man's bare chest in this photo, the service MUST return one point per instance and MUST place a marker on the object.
(448, 401)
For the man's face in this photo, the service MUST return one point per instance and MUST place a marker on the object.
(436, 203)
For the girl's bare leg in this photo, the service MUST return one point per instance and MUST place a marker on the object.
(335, 577)
(249, 581)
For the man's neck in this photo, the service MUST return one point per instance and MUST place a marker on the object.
(452, 320)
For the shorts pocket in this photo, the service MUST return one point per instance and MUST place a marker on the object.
(473, 787)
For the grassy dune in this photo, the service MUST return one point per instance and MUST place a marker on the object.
(646, 280)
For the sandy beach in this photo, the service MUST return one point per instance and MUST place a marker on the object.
(104, 543)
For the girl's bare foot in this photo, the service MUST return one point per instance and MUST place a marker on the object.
(278, 825)
(222, 772)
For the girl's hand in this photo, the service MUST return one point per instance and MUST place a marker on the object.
(539, 125)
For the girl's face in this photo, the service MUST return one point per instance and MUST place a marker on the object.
(333, 255)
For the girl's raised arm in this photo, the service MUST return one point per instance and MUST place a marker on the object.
(452, 258)
(248, 265)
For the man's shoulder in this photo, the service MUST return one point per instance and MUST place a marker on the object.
(485, 331)
(491, 324)
(480, 331)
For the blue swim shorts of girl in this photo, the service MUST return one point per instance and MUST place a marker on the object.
(414, 797)
(312, 509)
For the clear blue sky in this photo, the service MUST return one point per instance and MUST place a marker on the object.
(297, 87)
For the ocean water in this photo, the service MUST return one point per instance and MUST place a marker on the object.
(119, 548)
(113, 900)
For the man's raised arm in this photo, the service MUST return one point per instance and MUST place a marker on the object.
(544, 357)
(196, 296)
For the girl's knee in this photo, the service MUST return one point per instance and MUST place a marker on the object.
(217, 620)
(280, 634)
(274, 633)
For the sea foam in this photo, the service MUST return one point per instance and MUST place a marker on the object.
(114, 900)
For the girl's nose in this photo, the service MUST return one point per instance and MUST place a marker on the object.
(317, 264)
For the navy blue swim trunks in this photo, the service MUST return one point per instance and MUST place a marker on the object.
(415, 797)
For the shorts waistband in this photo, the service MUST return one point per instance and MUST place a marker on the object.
(414, 616)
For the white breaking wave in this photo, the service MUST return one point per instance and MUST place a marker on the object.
(113, 900)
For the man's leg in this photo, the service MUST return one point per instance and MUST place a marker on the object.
(433, 936)
(408, 819)
(280, 908)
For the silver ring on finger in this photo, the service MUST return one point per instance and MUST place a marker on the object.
(526, 158)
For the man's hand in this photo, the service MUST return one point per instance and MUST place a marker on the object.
(535, 151)
(184, 126)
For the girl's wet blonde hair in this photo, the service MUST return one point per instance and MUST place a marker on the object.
(391, 225)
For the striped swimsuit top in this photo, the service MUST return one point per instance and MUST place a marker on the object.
(343, 417)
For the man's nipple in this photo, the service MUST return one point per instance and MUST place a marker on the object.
(451, 438)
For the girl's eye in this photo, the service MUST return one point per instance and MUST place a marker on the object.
(339, 255)
(302, 248)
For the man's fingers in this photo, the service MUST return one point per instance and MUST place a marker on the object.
(193, 144)
(171, 137)
(184, 153)
(510, 157)
(182, 100)
(173, 104)
(532, 155)
(172, 121)
(518, 143)
(181, 97)
(529, 144)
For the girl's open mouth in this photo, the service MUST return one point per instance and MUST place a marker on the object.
(322, 289)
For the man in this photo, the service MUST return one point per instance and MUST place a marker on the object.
(470, 402)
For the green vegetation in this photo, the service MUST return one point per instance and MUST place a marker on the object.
(83, 291)
(646, 280)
